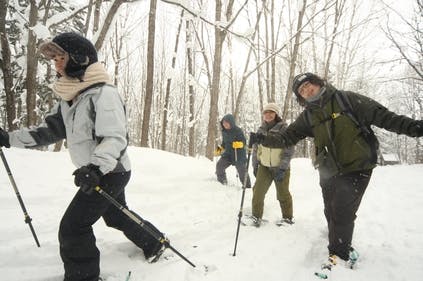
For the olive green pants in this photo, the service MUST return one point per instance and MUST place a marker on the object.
(265, 177)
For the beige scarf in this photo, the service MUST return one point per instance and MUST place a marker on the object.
(68, 88)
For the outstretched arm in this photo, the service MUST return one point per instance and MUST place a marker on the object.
(295, 132)
(376, 114)
(51, 130)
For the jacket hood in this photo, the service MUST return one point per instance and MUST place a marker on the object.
(228, 118)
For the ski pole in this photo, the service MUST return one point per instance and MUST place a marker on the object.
(250, 145)
(12, 180)
(140, 222)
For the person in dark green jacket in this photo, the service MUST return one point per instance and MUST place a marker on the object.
(345, 150)
(232, 150)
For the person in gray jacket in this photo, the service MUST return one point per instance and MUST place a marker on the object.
(271, 165)
(91, 117)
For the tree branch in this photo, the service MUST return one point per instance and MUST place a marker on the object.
(226, 28)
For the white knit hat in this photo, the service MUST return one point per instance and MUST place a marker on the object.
(272, 107)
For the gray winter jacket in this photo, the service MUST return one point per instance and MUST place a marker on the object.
(94, 126)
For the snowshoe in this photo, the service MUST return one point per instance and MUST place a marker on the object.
(326, 267)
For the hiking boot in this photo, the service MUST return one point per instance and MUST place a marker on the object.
(153, 254)
(330, 263)
(285, 221)
(156, 256)
(352, 258)
(251, 220)
(335, 260)
(223, 181)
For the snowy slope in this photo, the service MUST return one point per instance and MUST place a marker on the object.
(180, 196)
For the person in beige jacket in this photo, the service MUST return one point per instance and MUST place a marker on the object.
(271, 165)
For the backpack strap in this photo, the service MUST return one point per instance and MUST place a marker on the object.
(346, 107)
(332, 116)
(369, 136)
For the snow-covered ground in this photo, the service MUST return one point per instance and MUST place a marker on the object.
(181, 197)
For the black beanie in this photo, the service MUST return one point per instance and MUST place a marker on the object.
(301, 78)
(81, 51)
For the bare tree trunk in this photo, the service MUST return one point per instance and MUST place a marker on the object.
(339, 7)
(189, 51)
(344, 67)
(97, 8)
(259, 73)
(266, 54)
(168, 84)
(150, 74)
(107, 22)
(273, 59)
(219, 38)
(244, 76)
(293, 61)
(6, 67)
(31, 67)
(88, 19)
(116, 50)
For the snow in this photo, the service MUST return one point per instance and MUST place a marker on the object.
(390, 157)
(181, 197)
(41, 31)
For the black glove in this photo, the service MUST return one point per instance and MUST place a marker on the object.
(279, 175)
(87, 178)
(256, 138)
(4, 138)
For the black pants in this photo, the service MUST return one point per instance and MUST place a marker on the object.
(342, 196)
(80, 256)
(223, 163)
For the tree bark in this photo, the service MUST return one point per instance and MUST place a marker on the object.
(107, 22)
(97, 8)
(244, 77)
(191, 73)
(168, 84)
(150, 74)
(339, 7)
(6, 67)
(31, 66)
(215, 87)
(293, 61)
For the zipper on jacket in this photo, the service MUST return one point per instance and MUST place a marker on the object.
(73, 120)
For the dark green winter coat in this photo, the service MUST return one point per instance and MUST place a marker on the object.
(340, 145)
(229, 136)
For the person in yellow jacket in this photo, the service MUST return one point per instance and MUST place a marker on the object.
(271, 165)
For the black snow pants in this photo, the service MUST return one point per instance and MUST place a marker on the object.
(342, 196)
(80, 256)
(223, 163)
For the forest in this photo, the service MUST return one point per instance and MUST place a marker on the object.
(183, 64)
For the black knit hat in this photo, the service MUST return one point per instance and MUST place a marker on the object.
(304, 77)
(82, 52)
